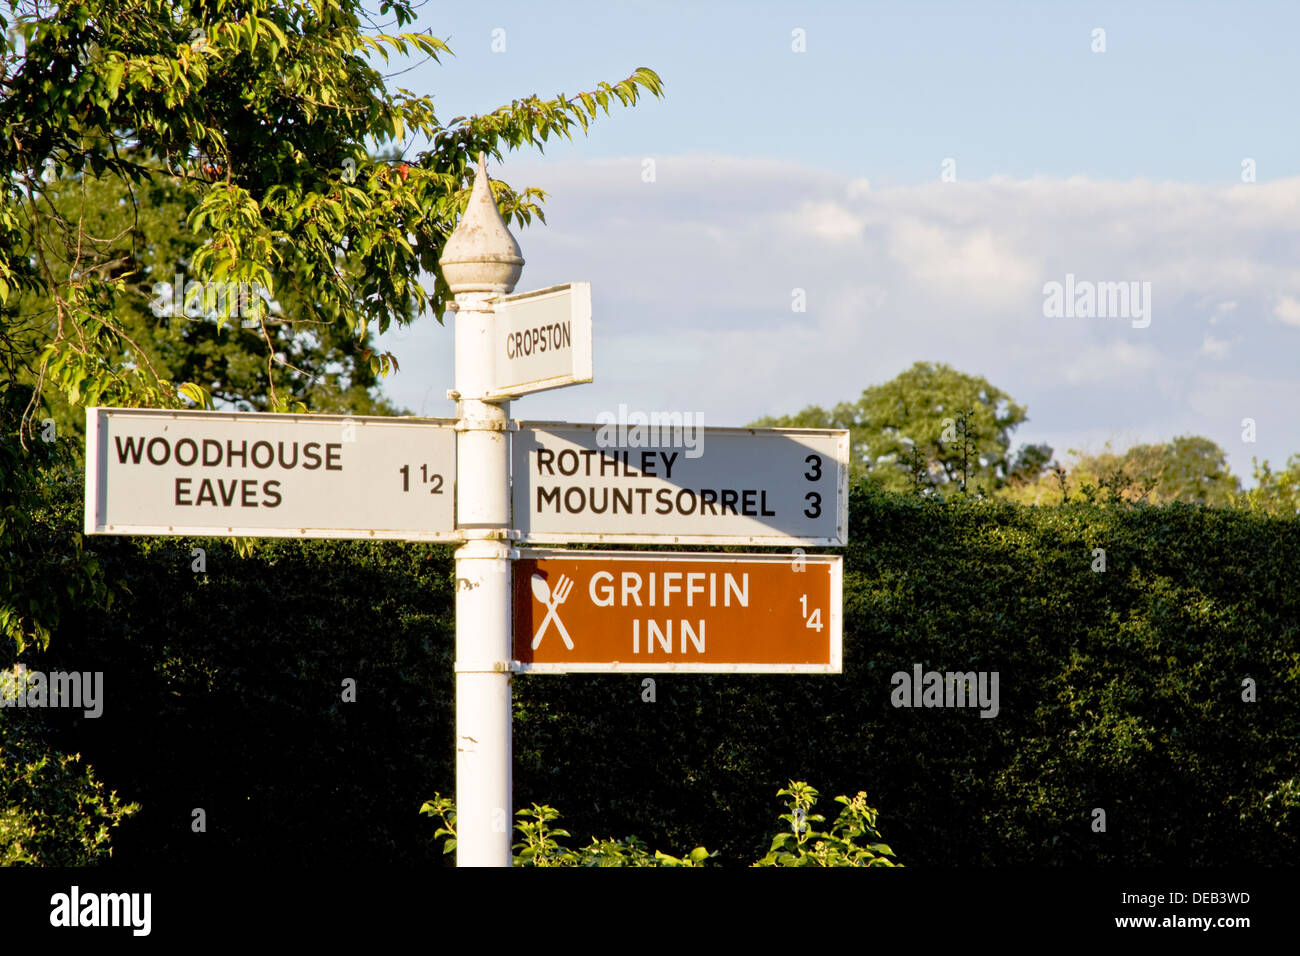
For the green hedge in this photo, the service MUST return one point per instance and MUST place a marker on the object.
(1119, 690)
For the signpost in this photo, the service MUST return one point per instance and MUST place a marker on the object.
(776, 486)
(541, 340)
(268, 475)
(330, 476)
(648, 612)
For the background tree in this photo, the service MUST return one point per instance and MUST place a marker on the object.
(142, 236)
(1190, 469)
(1276, 493)
(237, 141)
(265, 116)
(937, 414)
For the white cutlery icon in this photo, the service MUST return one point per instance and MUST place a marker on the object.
(542, 591)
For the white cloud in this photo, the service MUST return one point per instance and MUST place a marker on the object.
(1288, 310)
(692, 278)
(1215, 348)
(827, 220)
(1117, 359)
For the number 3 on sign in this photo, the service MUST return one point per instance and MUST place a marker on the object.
(815, 621)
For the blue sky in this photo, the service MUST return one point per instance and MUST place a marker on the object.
(821, 170)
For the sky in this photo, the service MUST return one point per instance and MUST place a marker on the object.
(916, 176)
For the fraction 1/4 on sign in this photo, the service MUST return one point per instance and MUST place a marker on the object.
(814, 622)
(425, 478)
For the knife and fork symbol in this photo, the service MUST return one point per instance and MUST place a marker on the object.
(552, 599)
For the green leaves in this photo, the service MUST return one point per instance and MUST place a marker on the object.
(54, 811)
(291, 156)
(804, 845)
(931, 426)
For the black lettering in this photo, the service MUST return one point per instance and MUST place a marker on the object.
(183, 487)
(548, 494)
(248, 497)
(270, 488)
(586, 456)
(193, 447)
(618, 499)
(309, 454)
(648, 463)
(134, 446)
(747, 506)
(288, 464)
(604, 501)
(205, 492)
(644, 493)
(665, 498)
(668, 464)
(270, 454)
(607, 460)
(166, 450)
(564, 335)
(573, 457)
(332, 452)
(568, 500)
(227, 494)
(680, 509)
(230, 454)
(545, 461)
(762, 497)
(729, 499)
(211, 445)
(708, 501)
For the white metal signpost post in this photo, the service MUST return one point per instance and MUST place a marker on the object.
(329, 476)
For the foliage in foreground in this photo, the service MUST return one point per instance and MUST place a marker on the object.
(802, 845)
(53, 812)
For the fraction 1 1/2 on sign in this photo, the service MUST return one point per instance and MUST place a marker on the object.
(434, 480)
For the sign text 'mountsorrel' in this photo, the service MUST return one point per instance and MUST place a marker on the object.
(777, 486)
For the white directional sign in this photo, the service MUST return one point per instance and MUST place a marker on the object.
(268, 475)
(777, 486)
(542, 340)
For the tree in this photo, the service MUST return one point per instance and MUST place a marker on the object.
(1190, 469)
(933, 427)
(262, 115)
(325, 367)
(1275, 492)
(265, 127)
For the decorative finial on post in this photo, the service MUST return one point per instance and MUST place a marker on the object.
(481, 255)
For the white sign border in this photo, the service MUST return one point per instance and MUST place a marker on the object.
(768, 540)
(836, 616)
(94, 503)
